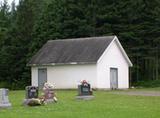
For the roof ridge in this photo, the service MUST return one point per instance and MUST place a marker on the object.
(82, 38)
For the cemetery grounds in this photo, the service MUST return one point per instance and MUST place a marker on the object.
(106, 104)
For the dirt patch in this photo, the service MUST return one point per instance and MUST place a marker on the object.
(139, 93)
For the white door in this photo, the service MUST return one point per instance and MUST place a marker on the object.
(42, 77)
(113, 78)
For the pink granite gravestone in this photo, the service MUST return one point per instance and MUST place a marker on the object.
(49, 94)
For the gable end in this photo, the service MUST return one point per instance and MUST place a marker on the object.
(121, 49)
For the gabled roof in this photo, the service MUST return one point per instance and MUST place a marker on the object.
(120, 48)
(71, 51)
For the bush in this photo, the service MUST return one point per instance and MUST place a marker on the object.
(148, 83)
(13, 86)
(4, 85)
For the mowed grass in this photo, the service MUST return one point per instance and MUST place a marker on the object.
(105, 105)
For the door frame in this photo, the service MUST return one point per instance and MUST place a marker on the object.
(113, 68)
(38, 75)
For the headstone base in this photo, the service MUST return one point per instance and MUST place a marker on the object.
(32, 102)
(85, 97)
(6, 105)
(49, 100)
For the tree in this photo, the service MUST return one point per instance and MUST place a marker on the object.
(26, 27)
(61, 19)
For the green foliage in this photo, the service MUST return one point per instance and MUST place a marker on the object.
(16, 42)
(60, 19)
(148, 84)
(26, 27)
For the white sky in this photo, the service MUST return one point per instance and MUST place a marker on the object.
(10, 1)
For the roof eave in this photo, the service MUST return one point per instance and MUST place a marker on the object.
(56, 64)
(123, 52)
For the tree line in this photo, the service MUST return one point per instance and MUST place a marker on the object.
(26, 27)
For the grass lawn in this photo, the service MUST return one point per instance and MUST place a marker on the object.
(105, 105)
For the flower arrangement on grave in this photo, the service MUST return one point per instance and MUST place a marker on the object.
(84, 83)
(48, 86)
(48, 92)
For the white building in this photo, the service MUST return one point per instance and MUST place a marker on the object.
(100, 60)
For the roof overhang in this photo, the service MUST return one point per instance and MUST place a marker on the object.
(123, 52)
(58, 64)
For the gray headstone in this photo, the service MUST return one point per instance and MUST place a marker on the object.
(4, 101)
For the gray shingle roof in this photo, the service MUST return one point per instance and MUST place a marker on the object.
(78, 50)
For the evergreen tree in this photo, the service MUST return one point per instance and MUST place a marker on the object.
(26, 27)
(60, 19)
(4, 27)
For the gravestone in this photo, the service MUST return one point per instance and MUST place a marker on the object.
(4, 101)
(49, 94)
(32, 96)
(31, 92)
(84, 91)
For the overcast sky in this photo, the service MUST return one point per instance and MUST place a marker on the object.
(10, 1)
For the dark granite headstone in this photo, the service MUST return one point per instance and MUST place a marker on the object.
(31, 92)
(84, 91)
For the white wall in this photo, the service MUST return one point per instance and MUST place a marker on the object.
(34, 76)
(112, 58)
(67, 76)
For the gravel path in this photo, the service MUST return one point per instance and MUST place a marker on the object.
(139, 93)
